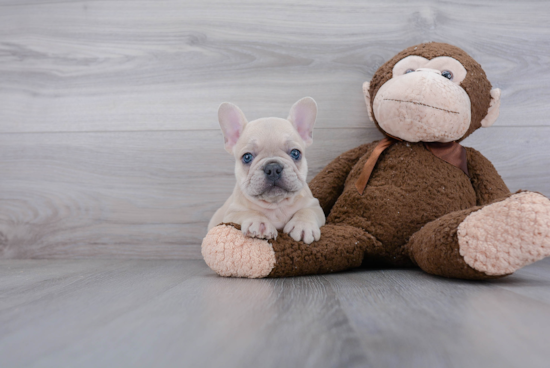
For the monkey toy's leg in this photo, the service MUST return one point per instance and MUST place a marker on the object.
(486, 241)
(230, 253)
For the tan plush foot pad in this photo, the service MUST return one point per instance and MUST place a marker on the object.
(231, 254)
(505, 236)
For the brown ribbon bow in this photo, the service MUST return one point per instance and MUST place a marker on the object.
(450, 152)
(361, 183)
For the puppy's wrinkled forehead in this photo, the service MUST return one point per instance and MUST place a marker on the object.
(269, 135)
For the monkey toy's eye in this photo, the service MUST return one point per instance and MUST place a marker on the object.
(295, 154)
(247, 158)
(409, 71)
(447, 74)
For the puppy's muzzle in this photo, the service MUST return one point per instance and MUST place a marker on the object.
(273, 171)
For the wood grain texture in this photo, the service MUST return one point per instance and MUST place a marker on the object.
(123, 194)
(167, 65)
(151, 194)
(106, 313)
(109, 144)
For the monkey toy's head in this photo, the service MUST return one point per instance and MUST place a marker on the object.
(432, 92)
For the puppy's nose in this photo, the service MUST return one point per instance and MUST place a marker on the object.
(273, 171)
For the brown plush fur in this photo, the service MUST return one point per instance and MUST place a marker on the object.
(413, 204)
(343, 247)
(408, 188)
(485, 179)
(476, 84)
(435, 248)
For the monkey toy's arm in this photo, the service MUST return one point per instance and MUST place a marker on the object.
(328, 185)
(485, 179)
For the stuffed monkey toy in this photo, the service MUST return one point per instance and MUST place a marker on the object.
(416, 197)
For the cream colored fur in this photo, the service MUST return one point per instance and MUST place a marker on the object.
(442, 116)
(494, 109)
(441, 64)
(419, 105)
(366, 94)
(260, 207)
(230, 254)
(505, 236)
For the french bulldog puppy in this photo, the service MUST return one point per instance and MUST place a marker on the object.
(271, 192)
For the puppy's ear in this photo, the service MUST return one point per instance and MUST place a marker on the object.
(302, 115)
(232, 122)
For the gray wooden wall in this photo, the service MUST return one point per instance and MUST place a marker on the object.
(109, 142)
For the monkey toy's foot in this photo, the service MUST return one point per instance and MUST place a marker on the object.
(505, 236)
(230, 253)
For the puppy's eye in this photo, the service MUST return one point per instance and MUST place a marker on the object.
(295, 154)
(247, 158)
(409, 71)
(447, 74)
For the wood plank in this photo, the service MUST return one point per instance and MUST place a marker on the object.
(118, 286)
(151, 194)
(532, 282)
(409, 318)
(166, 313)
(166, 65)
(178, 313)
(129, 195)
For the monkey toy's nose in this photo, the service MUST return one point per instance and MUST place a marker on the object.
(273, 171)
(429, 70)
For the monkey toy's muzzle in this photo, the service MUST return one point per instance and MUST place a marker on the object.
(423, 106)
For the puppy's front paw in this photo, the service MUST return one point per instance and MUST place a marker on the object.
(303, 230)
(259, 228)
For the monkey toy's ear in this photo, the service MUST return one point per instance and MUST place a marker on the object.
(494, 109)
(366, 87)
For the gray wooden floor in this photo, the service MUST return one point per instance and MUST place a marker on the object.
(178, 313)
